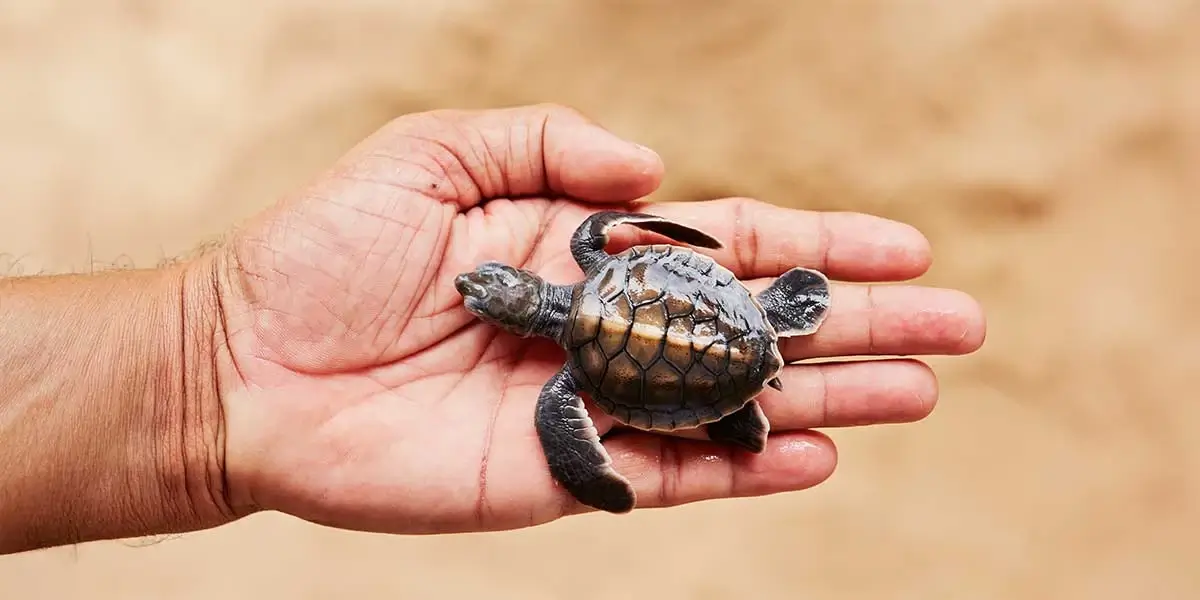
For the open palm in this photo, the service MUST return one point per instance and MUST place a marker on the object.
(359, 393)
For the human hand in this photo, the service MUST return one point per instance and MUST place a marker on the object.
(359, 393)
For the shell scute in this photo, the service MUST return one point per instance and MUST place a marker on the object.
(678, 305)
(663, 385)
(615, 326)
(612, 282)
(593, 363)
(585, 325)
(649, 334)
(622, 379)
(704, 334)
(640, 288)
(715, 357)
(701, 386)
(678, 348)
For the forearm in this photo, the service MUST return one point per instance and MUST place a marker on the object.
(109, 420)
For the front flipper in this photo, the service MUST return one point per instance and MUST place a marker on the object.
(589, 239)
(573, 451)
(747, 428)
(796, 303)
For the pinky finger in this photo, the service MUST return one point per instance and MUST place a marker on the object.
(669, 471)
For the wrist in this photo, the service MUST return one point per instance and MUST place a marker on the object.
(110, 420)
(192, 452)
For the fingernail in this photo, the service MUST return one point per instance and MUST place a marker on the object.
(617, 143)
(644, 148)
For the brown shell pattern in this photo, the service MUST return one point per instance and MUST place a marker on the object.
(664, 338)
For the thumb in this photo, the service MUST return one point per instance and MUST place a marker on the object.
(467, 157)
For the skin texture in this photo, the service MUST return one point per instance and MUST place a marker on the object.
(108, 412)
(320, 361)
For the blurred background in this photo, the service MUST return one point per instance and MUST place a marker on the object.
(1050, 150)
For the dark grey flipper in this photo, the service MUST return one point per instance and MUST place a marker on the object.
(589, 239)
(747, 428)
(796, 303)
(573, 451)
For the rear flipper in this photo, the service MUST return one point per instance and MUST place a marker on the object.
(590, 238)
(747, 428)
(573, 451)
(796, 303)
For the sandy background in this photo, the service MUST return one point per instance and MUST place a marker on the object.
(1051, 151)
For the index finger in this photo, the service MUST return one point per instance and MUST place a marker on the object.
(765, 240)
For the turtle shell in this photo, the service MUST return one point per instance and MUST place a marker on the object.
(664, 338)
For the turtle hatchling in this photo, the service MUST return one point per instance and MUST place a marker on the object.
(661, 337)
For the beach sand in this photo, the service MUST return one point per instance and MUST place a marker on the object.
(1050, 151)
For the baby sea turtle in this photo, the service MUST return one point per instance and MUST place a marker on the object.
(661, 337)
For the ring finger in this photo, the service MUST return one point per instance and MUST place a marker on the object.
(838, 395)
(872, 320)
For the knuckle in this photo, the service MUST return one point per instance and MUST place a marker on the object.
(745, 236)
(557, 110)
(420, 121)
(669, 472)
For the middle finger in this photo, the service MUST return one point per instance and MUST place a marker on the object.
(872, 320)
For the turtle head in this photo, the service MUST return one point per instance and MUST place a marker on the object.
(505, 296)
